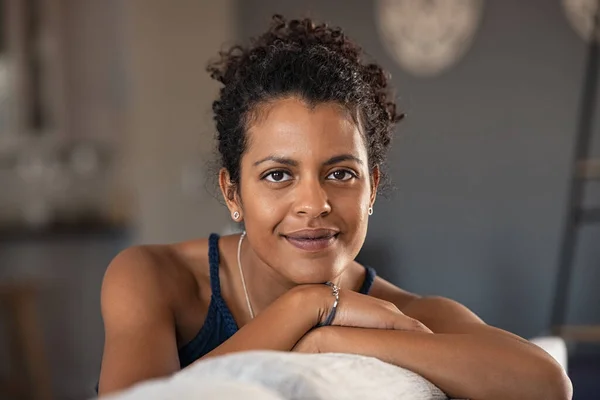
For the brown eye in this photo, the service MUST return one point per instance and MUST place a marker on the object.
(277, 176)
(341, 175)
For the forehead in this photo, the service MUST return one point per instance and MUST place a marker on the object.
(292, 127)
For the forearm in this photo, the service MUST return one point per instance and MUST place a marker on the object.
(279, 327)
(470, 366)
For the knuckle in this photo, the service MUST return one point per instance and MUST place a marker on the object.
(419, 326)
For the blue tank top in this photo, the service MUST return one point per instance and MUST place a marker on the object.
(219, 324)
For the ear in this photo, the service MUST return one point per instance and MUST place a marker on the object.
(230, 194)
(375, 179)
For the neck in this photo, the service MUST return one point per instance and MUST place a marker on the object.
(264, 283)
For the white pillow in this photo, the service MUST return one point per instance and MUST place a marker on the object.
(270, 375)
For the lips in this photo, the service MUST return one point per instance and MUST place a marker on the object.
(312, 234)
(312, 239)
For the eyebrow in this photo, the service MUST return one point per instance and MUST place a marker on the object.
(343, 157)
(294, 163)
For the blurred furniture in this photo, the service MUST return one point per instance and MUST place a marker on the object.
(61, 88)
(29, 373)
(584, 170)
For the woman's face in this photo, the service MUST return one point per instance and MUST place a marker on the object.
(305, 189)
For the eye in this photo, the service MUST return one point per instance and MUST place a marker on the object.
(277, 176)
(341, 175)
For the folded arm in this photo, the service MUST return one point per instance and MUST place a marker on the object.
(464, 357)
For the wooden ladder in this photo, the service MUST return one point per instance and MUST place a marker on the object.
(584, 170)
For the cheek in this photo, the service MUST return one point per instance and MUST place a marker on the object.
(262, 207)
(357, 222)
(351, 204)
(352, 210)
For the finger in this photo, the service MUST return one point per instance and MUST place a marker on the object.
(405, 323)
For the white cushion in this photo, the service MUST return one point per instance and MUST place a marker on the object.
(270, 375)
(555, 346)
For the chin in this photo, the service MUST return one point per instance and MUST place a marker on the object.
(304, 272)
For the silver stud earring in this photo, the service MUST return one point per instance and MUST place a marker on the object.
(236, 215)
(370, 211)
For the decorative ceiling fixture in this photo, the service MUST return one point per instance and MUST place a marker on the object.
(580, 14)
(427, 37)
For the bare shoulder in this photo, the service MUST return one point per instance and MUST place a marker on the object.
(387, 291)
(143, 279)
(433, 311)
(134, 278)
(440, 311)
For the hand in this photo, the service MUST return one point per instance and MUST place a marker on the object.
(363, 311)
(356, 309)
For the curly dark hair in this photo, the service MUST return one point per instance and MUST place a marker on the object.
(315, 62)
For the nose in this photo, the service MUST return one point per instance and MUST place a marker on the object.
(311, 199)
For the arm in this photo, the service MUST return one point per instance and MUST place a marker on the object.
(284, 323)
(279, 326)
(139, 324)
(464, 357)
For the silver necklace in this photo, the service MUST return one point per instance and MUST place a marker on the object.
(239, 261)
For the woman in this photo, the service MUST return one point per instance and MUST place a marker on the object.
(303, 127)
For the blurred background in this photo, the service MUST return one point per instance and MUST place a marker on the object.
(106, 134)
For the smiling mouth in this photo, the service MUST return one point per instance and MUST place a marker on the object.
(312, 241)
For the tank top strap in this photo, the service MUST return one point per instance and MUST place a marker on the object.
(370, 275)
(213, 262)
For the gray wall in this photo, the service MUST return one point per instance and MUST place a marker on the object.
(169, 119)
(481, 163)
(169, 131)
